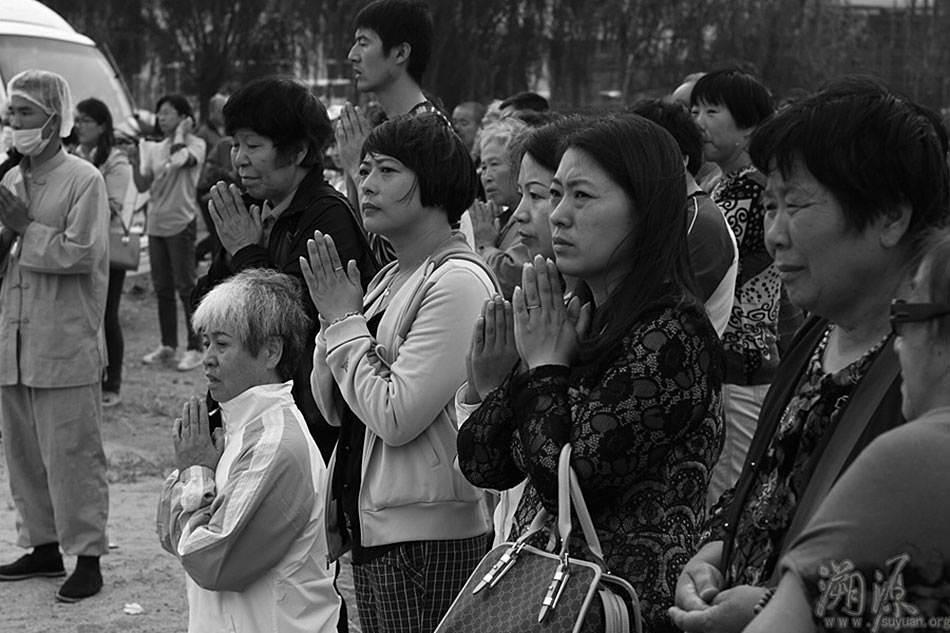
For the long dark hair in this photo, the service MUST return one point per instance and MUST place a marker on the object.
(99, 112)
(645, 161)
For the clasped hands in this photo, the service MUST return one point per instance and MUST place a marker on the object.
(237, 226)
(351, 130)
(14, 213)
(535, 328)
(334, 289)
(485, 226)
(194, 443)
(703, 605)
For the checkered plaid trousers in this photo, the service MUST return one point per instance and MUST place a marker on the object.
(409, 588)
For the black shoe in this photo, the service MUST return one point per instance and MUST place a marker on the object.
(83, 582)
(33, 566)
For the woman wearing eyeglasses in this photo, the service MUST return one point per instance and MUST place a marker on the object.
(846, 206)
(883, 528)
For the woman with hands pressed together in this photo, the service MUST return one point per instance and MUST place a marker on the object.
(631, 382)
(492, 228)
(279, 131)
(386, 369)
(244, 511)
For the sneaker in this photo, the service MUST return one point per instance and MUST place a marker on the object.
(33, 566)
(160, 355)
(82, 583)
(190, 360)
(110, 399)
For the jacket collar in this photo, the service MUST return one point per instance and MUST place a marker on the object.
(308, 189)
(237, 412)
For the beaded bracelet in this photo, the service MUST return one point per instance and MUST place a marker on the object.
(344, 316)
(764, 600)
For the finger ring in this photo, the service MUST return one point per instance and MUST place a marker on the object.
(338, 269)
(533, 307)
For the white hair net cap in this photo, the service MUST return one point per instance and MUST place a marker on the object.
(47, 90)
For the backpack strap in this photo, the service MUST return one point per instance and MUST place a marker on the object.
(456, 248)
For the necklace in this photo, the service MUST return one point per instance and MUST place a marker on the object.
(396, 281)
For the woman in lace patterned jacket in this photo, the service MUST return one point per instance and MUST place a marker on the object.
(637, 392)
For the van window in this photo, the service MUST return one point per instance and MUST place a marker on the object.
(84, 67)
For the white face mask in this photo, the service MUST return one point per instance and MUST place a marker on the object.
(31, 142)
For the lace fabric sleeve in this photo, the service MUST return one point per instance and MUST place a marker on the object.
(485, 443)
(635, 410)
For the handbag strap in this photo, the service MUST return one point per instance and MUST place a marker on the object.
(569, 490)
(125, 229)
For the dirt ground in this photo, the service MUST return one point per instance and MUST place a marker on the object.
(138, 446)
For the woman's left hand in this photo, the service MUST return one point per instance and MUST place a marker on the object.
(335, 290)
(544, 334)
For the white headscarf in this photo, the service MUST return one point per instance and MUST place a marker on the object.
(49, 92)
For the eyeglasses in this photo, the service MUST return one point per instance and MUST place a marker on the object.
(903, 312)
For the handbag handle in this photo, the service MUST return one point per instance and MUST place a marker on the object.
(569, 490)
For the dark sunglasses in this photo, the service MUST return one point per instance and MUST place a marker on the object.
(903, 312)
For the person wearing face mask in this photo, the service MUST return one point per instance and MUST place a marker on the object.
(54, 209)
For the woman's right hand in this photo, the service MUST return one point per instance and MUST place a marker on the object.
(493, 352)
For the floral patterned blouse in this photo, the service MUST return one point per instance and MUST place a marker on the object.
(817, 405)
(751, 336)
(646, 429)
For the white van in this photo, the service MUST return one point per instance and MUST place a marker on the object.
(34, 36)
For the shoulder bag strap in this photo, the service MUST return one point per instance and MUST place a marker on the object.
(864, 402)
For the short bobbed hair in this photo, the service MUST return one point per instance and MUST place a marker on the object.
(747, 98)
(257, 305)
(675, 119)
(427, 145)
(285, 111)
(872, 148)
(398, 21)
(644, 160)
